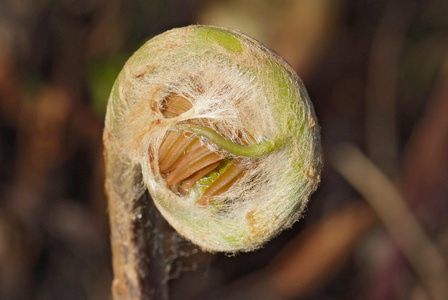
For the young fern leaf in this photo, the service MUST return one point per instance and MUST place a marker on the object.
(220, 131)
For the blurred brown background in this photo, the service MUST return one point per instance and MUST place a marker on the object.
(377, 72)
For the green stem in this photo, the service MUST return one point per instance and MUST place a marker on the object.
(256, 150)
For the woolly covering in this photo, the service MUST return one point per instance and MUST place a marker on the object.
(242, 91)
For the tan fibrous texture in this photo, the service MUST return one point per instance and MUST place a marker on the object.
(246, 94)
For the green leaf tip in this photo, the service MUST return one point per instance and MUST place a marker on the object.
(220, 36)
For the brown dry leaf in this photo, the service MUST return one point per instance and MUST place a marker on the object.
(425, 168)
(312, 257)
(41, 145)
(10, 104)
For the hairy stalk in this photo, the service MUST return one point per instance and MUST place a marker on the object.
(221, 133)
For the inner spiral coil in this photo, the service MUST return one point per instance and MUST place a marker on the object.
(185, 158)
